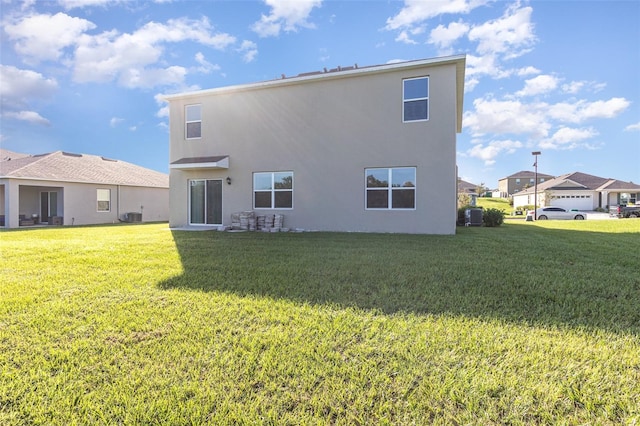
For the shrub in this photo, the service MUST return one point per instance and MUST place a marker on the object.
(493, 217)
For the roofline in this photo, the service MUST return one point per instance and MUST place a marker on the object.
(79, 181)
(318, 76)
(458, 60)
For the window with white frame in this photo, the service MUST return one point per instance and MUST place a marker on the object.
(193, 121)
(390, 188)
(273, 190)
(104, 200)
(415, 99)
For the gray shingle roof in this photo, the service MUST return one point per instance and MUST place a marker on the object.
(585, 182)
(67, 167)
(525, 174)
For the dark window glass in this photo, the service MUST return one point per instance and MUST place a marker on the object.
(194, 130)
(403, 199)
(283, 199)
(416, 110)
(262, 200)
(377, 199)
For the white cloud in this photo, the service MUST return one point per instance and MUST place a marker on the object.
(579, 111)
(151, 77)
(404, 37)
(285, 15)
(129, 58)
(115, 121)
(633, 127)
(19, 86)
(35, 44)
(205, 66)
(578, 86)
(415, 12)
(28, 116)
(523, 72)
(506, 117)
(444, 37)
(489, 152)
(249, 51)
(510, 34)
(568, 138)
(538, 85)
(72, 4)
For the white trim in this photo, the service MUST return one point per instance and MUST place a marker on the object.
(222, 164)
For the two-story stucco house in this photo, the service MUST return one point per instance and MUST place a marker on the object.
(362, 149)
(520, 181)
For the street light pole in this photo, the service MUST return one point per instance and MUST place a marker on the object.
(535, 185)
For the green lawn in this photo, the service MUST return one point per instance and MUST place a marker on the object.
(527, 323)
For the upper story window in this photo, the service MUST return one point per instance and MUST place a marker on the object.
(273, 190)
(415, 99)
(391, 188)
(517, 181)
(193, 121)
(104, 200)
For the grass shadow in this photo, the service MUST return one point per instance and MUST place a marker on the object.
(517, 272)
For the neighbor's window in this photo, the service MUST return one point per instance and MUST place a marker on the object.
(415, 99)
(390, 188)
(104, 200)
(273, 190)
(193, 121)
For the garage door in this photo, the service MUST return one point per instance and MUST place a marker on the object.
(573, 201)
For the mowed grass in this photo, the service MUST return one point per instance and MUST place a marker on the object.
(527, 323)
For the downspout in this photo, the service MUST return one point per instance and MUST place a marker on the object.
(118, 203)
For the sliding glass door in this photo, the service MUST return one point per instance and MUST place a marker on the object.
(205, 202)
(48, 205)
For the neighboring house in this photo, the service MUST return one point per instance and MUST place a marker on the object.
(580, 191)
(78, 189)
(465, 187)
(519, 181)
(365, 149)
(469, 189)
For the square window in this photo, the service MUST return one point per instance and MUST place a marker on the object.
(273, 190)
(390, 188)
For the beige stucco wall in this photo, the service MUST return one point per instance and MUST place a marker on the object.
(327, 132)
(77, 202)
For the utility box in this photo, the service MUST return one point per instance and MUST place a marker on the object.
(133, 217)
(473, 217)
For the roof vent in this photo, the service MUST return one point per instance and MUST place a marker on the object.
(71, 154)
(109, 159)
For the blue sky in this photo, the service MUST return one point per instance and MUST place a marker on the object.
(561, 77)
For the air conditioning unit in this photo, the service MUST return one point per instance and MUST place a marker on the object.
(473, 217)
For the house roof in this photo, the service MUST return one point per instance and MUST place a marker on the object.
(351, 71)
(68, 167)
(525, 174)
(464, 186)
(583, 181)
